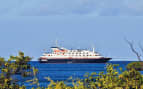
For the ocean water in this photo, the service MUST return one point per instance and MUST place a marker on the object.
(61, 72)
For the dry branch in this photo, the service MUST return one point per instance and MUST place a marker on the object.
(141, 47)
(133, 49)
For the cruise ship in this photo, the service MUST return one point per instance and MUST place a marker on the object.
(63, 55)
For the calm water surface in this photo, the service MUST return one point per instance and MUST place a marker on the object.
(64, 71)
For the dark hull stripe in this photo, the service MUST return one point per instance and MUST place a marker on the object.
(103, 60)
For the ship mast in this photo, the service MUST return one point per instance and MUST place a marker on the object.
(93, 49)
(56, 43)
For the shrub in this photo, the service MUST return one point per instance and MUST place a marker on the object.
(135, 65)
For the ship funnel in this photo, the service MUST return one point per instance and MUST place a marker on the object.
(55, 48)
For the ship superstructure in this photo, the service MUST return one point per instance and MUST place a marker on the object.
(63, 55)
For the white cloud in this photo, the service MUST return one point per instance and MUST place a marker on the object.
(71, 7)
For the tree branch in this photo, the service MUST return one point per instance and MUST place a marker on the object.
(133, 49)
(141, 47)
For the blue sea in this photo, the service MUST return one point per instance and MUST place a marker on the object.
(62, 72)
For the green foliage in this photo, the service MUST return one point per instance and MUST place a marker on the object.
(16, 65)
(111, 79)
(108, 80)
(57, 85)
(135, 65)
(35, 79)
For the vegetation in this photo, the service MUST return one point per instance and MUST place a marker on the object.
(111, 79)
(135, 65)
(131, 79)
(16, 65)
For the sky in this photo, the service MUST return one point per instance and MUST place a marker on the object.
(71, 7)
(33, 25)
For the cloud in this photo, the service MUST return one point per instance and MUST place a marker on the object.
(71, 7)
(57, 7)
